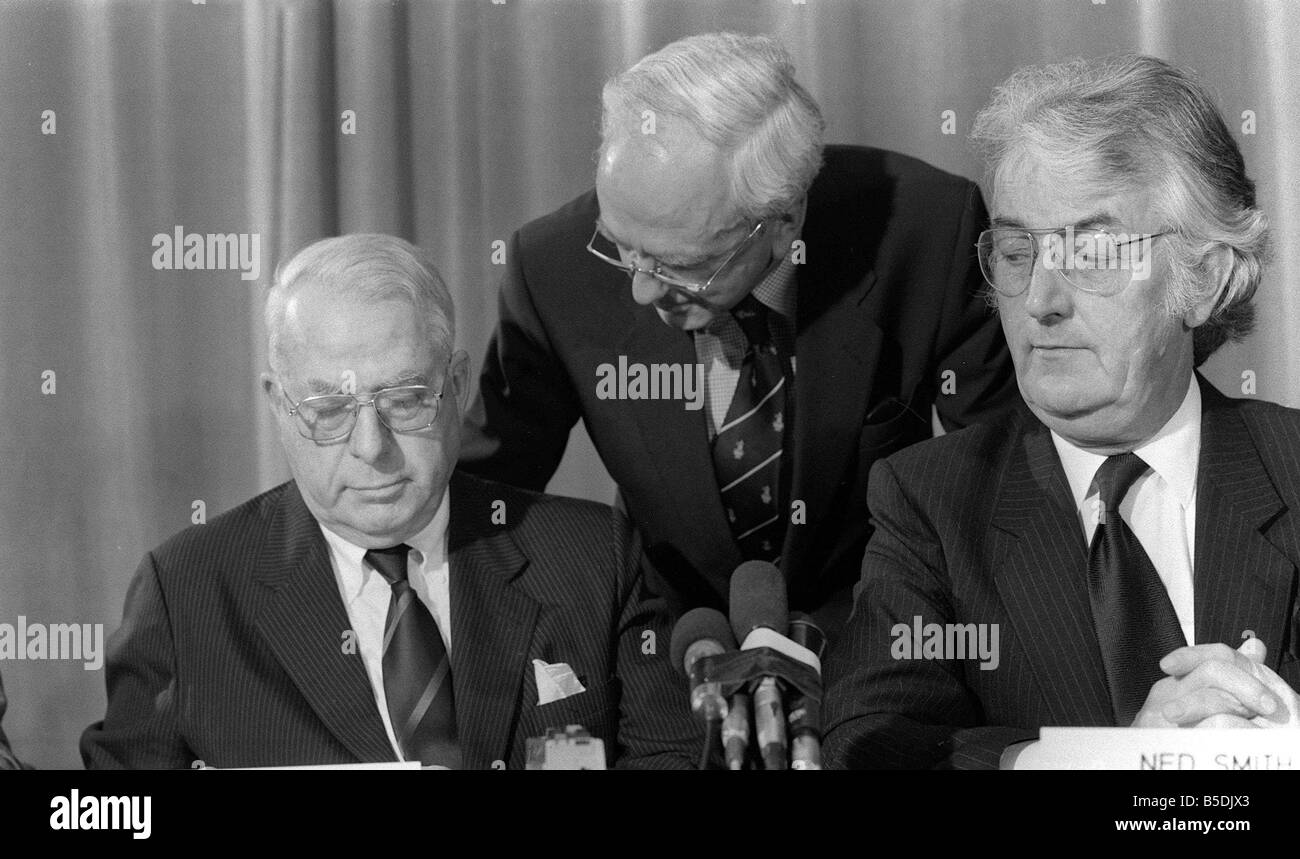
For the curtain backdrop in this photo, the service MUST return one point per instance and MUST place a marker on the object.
(129, 394)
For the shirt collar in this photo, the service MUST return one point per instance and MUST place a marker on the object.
(777, 290)
(430, 542)
(1173, 453)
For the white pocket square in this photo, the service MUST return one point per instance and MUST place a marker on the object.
(555, 682)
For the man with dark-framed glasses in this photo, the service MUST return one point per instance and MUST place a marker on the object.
(379, 607)
(826, 296)
(1130, 541)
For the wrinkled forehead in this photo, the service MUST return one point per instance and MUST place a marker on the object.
(1038, 188)
(328, 335)
(668, 180)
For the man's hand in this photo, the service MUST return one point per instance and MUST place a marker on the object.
(1214, 686)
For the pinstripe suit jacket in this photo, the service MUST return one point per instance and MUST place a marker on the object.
(231, 644)
(979, 527)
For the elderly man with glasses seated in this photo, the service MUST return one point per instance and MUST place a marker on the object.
(1126, 531)
(379, 607)
(827, 297)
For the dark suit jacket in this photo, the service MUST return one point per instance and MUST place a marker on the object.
(980, 527)
(7, 759)
(887, 302)
(230, 649)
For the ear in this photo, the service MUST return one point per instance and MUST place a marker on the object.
(1218, 268)
(788, 227)
(458, 374)
(271, 389)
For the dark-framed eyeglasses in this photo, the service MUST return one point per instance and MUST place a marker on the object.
(405, 409)
(675, 279)
(1093, 261)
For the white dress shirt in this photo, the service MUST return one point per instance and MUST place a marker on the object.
(366, 595)
(1160, 507)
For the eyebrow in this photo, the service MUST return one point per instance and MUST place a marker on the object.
(666, 260)
(1096, 220)
(322, 387)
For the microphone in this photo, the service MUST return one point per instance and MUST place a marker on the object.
(735, 732)
(758, 608)
(805, 713)
(702, 632)
(806, 633)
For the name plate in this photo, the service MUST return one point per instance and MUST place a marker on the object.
(377, 765)
(1161, 749)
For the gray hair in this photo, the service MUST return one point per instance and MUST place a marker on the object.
(1135, 120)
(739, 93)
(365, 266)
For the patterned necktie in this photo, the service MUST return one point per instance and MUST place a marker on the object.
(747, 449)
(417, 670)
(1135, 621)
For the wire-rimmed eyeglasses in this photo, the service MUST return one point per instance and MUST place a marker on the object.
(1095, 261)
(405, 409)
(670, 278)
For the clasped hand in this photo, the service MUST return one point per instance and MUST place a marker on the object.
(1214, 686)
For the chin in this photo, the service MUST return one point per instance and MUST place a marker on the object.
(382, 521)
(378, 529)
(690, 317)
(1065, 395)
(1079, 416)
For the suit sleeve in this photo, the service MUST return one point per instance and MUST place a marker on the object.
(139, 729)
(656, 728)
(8, 761)
(518, 425)
(971, 343)
(887, 712)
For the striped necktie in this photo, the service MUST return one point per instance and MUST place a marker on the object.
(417, 669)
(747, 449)
(1134, 618)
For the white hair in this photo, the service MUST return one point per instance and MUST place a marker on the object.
(365, 266)
(739, 93)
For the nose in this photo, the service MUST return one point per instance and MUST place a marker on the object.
(370, 438)
(646, 288)
(1048, 295)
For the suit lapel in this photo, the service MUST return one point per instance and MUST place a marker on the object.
(492, 623)
(837, 351)
(1243, 580)
(303, 621)
(676, 441)
(1041, 562)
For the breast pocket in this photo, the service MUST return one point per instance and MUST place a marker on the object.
(594, 709)
(890, 426)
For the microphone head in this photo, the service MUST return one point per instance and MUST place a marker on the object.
(696, 625)
(758, 599)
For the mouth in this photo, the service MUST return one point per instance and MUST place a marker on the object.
(678, 304)
(380, 490)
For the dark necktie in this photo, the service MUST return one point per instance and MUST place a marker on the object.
(1135, 621)
(747, 449)
(417, 670)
